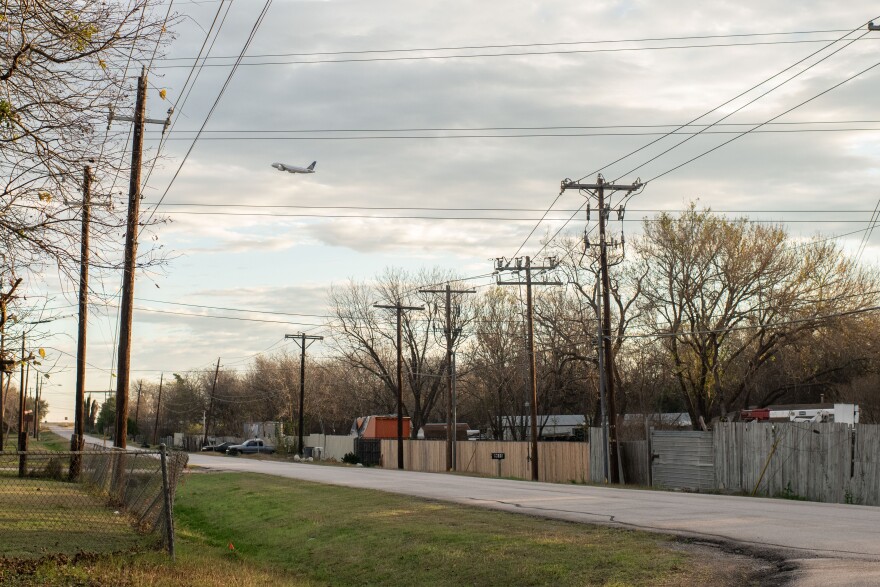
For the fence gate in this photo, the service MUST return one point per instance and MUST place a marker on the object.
(682, 459)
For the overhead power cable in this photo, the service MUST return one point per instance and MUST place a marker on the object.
(501, 54)
(516, 128)
(410, 137)
(478, 218)
(747, 104)
(693, 121)
(525, 45)
(807, 101)
(226, 83)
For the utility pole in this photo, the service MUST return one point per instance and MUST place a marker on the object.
(77, 440)
(603, 406)
(158, 407)
(37, 389)
(127, 303)
(22, 432)
(598, 191)
(137, 405)
(7, 366)
(399, 309)
(210, 416)
(518, 265)
(304, 341)
(451, 335)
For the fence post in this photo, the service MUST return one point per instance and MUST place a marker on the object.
(169, 518)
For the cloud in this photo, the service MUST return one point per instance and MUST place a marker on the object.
(278, 262)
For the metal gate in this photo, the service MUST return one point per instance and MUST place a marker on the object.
(682, 459)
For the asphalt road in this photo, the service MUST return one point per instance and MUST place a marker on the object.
(842, 540)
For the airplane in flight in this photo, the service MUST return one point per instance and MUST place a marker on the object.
(294, 168)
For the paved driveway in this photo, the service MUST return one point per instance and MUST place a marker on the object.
(796, 529)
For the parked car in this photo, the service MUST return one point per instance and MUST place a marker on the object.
(222, 447)
(249, 447)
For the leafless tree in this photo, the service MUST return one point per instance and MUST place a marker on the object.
(365, 336)
(726, 297)
(63, 65)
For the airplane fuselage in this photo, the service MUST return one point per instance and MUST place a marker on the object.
(294, 168)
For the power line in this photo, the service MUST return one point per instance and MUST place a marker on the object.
(512, 136)
(716, 108)
(820, 94)
(546, 127)
(498, 209)
(477, 218)
(749, 103)
(525, 45)
(226, 83)
(501, 54)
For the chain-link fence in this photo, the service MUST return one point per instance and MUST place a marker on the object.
(97, 500)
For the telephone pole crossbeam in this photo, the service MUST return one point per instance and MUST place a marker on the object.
(304, 341)
(399, 308)
(451, 434)
(606, 362)
(518, 265)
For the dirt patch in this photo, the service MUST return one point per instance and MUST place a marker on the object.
(727, 565)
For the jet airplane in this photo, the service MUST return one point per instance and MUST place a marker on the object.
(294, 168)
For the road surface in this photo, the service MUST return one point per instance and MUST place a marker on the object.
(831, 544)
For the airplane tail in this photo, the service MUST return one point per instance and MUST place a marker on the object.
(312, 166)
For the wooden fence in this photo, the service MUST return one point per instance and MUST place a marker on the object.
(558, 462)
(635, 465)
(826, 462)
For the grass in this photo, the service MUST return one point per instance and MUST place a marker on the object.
(49, 441)
(53, 517)
(248, 529)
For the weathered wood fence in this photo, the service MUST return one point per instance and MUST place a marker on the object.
(558, 462)
(826, 462)
(635, 462)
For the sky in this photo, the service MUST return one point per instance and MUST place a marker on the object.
(459, 105)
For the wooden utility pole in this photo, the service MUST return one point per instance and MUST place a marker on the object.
(399, 309)
(77, 439)
(518, 266)
(131, 233)
(211, 404)
(158, 407)
(7, 366)
(304, 341)
(22, 431)
(38, 387)
(123, 370)
(451, 335)
(598, 191)
(137, 405)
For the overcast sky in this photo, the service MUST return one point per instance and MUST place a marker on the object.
(368, 86)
